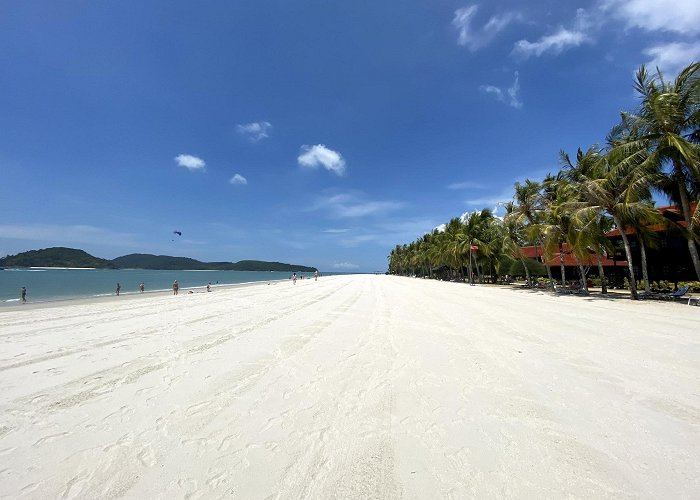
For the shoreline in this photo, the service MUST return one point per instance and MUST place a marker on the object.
(16, 304)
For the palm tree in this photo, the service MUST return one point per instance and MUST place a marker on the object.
(513, 236)
(530, 204)
(591, 233)
(474, 233)
(617, 185)
(668, 123)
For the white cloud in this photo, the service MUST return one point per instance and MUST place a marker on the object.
(679, 16)
(510, 96)
(54, 234)
(555, 43)
(192, 163)
(441, 228)
(335, 231)
(354, 205)
(670, 58)
(238, 179)
(321, 156)
(465, 185)
(476, 38)
(255, 131)
(345, 265)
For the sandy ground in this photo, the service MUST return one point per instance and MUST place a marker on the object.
(351, 387)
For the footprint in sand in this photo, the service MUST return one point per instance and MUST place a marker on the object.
(216, 478)
(122, 441)
(227, 442)
(196, 408)
(147, 457)
(191, 488)
(47, 439)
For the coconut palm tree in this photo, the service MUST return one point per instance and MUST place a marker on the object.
(530, 205)
(474, 233)
(668, 123)
(618, 186)
(513, 239)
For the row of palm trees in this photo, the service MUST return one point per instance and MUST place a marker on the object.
(654, 150)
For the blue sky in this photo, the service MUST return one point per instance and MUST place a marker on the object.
(315, 132)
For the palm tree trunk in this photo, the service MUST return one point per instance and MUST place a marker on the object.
(584, 281)
(471, 272)
(544, 261)
(645, 270)
(527, 271)
(582, 273)
(561, 263)
(685, 206)
(628, 252)
(601, 273)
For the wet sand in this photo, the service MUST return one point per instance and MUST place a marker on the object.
(351, 387)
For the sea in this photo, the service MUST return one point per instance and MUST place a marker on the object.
(55, 284)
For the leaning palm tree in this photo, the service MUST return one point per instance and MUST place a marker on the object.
(618, 186)
(668, 123)
(590, 234)
(513, 239)
(530, 204)
(473, 235)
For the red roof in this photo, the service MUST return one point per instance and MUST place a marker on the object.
(671, 212)
(533, 252)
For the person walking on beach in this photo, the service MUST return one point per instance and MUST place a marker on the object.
(209, 287)
(119, 287)
(316, 275)
(24, 295)
(294, 278)
(142, 287)
(176, 287)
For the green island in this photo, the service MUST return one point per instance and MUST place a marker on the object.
(73, 257)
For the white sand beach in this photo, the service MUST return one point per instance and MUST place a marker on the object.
(351, 387)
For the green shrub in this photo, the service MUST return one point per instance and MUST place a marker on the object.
(536, 268)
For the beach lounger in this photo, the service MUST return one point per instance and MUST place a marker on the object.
(678, 294)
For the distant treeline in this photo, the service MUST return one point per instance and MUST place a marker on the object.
(72, 257)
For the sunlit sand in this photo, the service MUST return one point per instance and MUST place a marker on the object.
(351, 387)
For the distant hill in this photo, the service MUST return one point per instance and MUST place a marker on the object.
(55, 257)
(71, 257)
(148, 261)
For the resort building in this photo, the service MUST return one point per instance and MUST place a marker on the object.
(665, 246)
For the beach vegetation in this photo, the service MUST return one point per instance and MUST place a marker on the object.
(572, 212)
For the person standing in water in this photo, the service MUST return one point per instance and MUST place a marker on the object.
(119, 287)
(24, 295)
(176, 287)
(142, 287)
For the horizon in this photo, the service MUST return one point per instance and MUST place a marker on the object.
(312, 132)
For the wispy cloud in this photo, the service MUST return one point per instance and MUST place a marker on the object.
(670, 58)
(320, 156)
(255, 131)
(354, 205)
(509, 96)
(53, 234)
(554, 43)
(345, 265)
(465, 185)
(679, 16)
(476, 38)
(238, 179)
(191, 163)
(335, 231)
